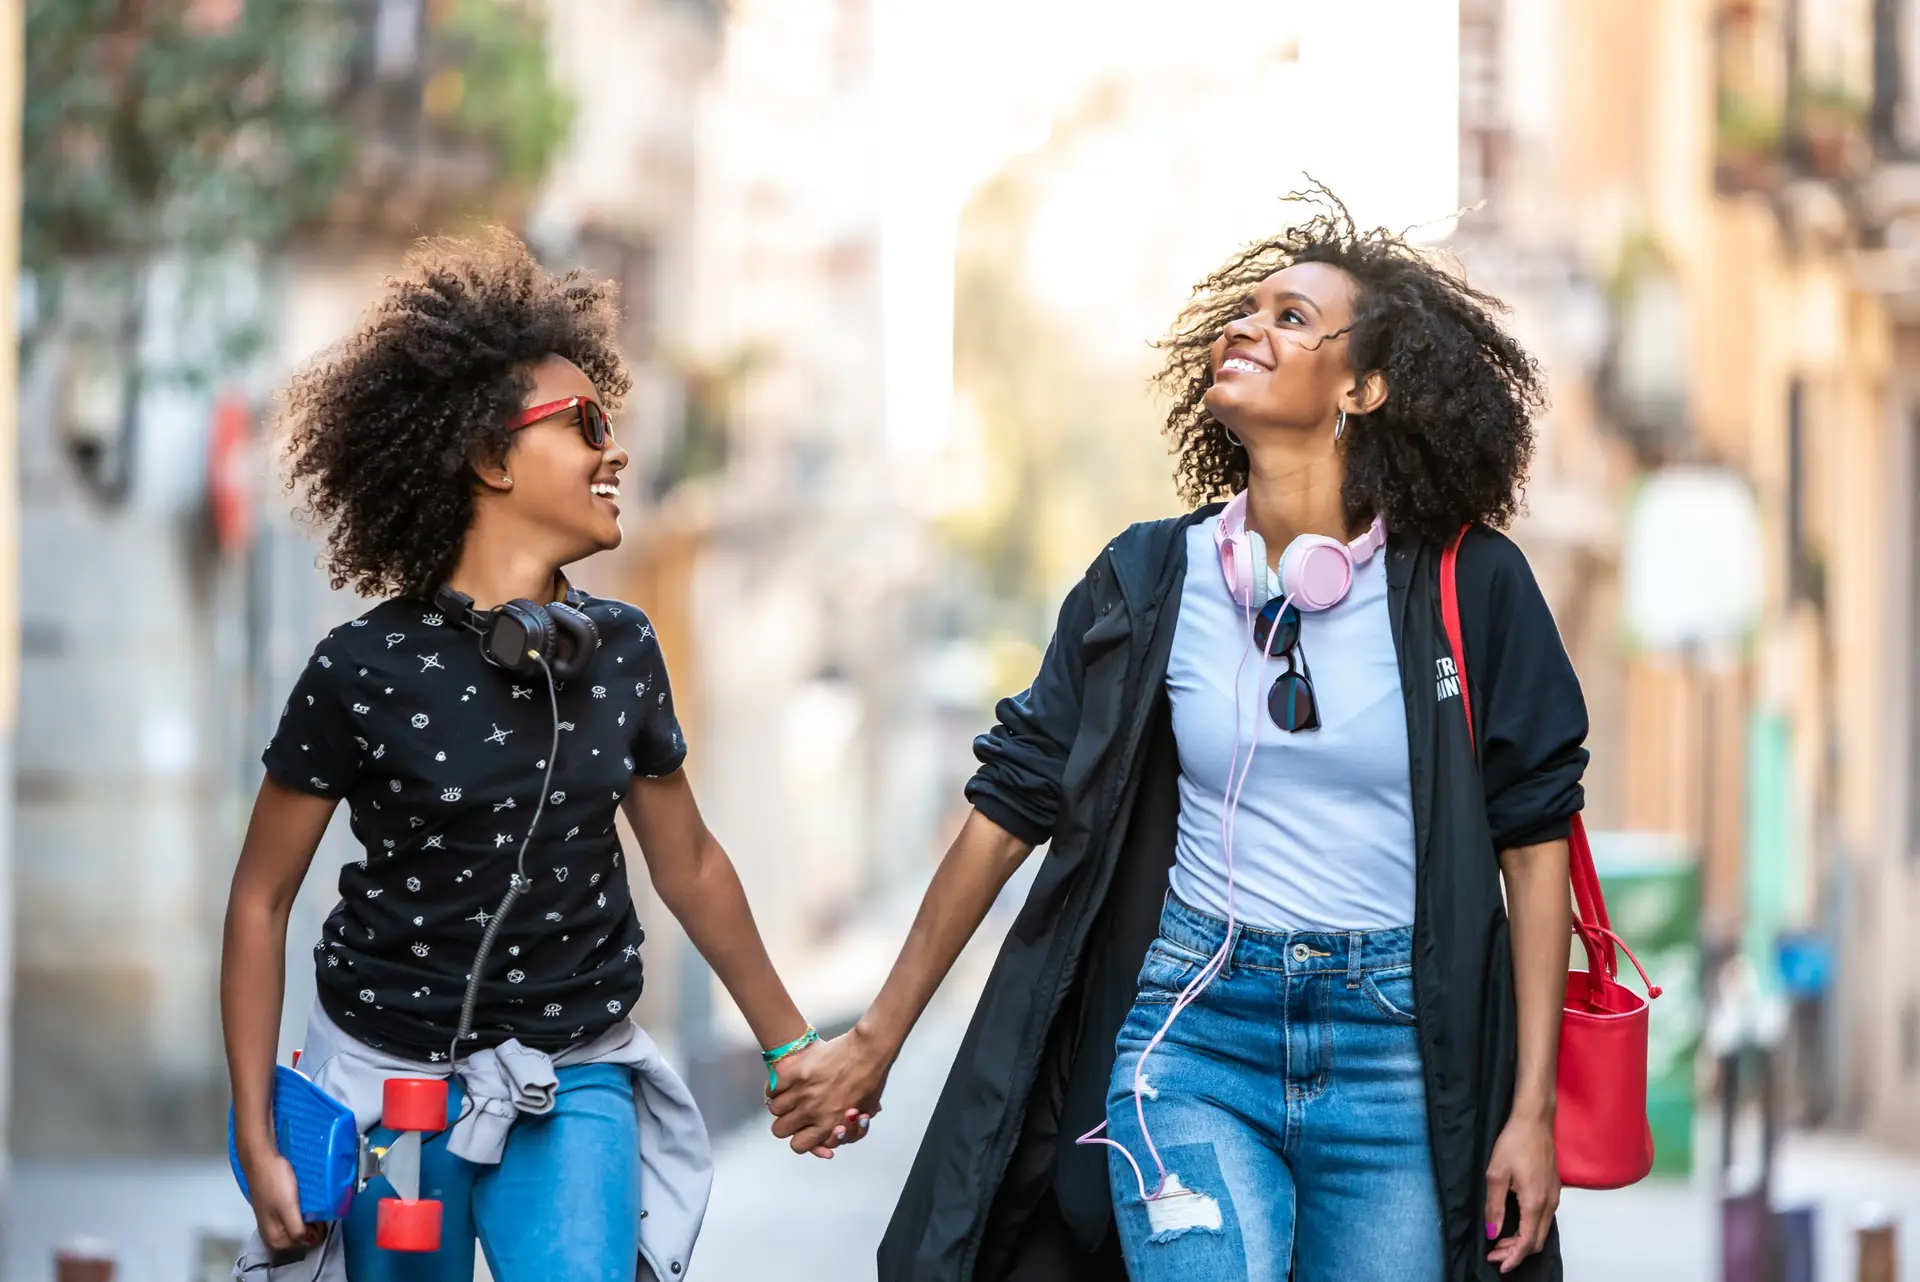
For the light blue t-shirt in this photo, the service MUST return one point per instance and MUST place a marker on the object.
(1323, 835)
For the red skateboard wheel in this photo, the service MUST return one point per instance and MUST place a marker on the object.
(407, 1226)
(414, 1104)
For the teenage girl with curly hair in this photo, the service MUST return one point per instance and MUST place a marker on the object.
(1265, 1014)
(460, 450)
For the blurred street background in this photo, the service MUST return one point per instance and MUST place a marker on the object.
(891, 270)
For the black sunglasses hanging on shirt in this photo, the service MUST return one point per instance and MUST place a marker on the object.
(1276, 630)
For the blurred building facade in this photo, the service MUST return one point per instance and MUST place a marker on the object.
(147, 696)
(1702, 213)
(789, 581)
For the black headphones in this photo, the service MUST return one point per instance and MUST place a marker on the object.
(511, 635)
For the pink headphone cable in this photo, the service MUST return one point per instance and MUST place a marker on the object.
(1198, 984)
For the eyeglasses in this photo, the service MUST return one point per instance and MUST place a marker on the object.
(594, 423)
(1290, 702)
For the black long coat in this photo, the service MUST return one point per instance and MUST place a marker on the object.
(1084, 759)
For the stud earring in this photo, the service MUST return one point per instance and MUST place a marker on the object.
(506, 481)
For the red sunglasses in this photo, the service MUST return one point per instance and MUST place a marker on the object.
(594, 424)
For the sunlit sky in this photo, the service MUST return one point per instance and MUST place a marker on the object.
(1361, 94)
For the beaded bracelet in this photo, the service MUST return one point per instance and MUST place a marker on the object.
(778, 1053)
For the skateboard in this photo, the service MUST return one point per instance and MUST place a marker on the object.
(333, 1162)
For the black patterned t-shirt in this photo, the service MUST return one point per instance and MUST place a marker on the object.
(439, 756)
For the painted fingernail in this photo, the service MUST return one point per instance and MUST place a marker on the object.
(1493, 1230)
(839, 1132)
(865, 1122)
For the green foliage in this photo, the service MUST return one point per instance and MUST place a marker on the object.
(1743, 127)
(504, 97)
(210, 133)
(143, 132)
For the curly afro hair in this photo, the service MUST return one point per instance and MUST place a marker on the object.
(1451, 444)
(383, 427)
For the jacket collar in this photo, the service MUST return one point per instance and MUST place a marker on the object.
(1149, 558)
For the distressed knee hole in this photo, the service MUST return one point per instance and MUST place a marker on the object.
(1179, 1210)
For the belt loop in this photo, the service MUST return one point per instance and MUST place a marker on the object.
(1356, 953)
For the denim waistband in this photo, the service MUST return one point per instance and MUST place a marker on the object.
(1293, 951)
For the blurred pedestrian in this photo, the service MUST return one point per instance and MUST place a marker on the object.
(1268, 951)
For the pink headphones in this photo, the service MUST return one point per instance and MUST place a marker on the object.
(1315, 571)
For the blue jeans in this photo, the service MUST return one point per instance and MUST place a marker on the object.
(564, 1202)
(1288, 1106)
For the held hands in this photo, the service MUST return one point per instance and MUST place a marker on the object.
(1523, 1163)
(827, 1094)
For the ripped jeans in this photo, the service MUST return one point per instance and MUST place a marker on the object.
(1288, 1106)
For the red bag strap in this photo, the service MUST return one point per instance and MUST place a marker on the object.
(1590, 921)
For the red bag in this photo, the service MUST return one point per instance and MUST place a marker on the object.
(1600, 1131)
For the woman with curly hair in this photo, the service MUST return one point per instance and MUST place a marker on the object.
(1268, 952)
(483, 722)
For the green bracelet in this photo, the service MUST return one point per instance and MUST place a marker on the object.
(774, 1056)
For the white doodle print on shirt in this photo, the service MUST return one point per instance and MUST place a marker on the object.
(598, 692)
(419, 721)
(432, 620)
(498, 736)
(395, 638)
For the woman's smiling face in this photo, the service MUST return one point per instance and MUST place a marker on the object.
(1285, 364)
(561, 482)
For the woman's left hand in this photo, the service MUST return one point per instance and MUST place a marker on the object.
(1523, 1163)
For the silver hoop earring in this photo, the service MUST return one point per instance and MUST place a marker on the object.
(1340, 425)
(1231, 437)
